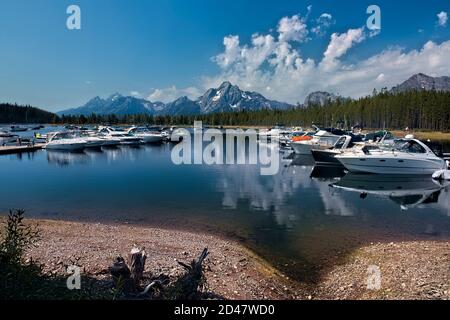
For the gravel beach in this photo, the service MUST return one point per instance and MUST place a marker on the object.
(408, 269)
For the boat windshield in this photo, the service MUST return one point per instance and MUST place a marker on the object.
(410, 146)
(62, 135)
(340, 143)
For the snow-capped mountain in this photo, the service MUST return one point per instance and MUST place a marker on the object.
(116, 104)
(225, 98)
(421, 81)
(228, 97)
(182, 106)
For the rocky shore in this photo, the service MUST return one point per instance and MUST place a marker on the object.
(408, 270)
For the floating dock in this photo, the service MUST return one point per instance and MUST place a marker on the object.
(20, 149)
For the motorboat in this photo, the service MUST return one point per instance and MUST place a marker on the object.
(124, 137)
(96, 140)
(407, 156)
(64, 141)
(5, 134)
(327, 156)
(39, 127)
(277, 131)
(323, 139)
(379, 139)
(407, 191)
(146, 135)
(177, 134)
(18, 129)
(287, 136)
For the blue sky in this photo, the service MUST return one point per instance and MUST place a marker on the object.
(161, 49)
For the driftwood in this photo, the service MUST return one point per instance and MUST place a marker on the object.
(128, 279)
(187, 286)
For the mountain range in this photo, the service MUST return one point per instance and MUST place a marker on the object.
(229, 98)
(225, 98)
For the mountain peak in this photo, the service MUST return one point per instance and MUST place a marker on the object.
(320, 98)
(114, 96)
(225, 84)
(422, 81)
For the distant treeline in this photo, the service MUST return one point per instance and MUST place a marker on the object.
(423, 110)
(13, 113)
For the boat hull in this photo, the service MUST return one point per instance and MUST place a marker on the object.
(325, 157)
(305, 147)
(66, 146)
(391, 165)
(151, 138)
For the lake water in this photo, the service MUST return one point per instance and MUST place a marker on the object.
(298, 219)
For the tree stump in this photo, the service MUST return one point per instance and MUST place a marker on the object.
(125, 280)
(121, 275)
(137, 262)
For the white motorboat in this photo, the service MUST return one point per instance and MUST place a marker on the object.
(273, 132)
(124, 137)
(97, 140)
(407, 156)
(177, 134)
(5, 134)
(18, 129)
(64, 141)
(323, 139)
(146, 135)
(327, 156)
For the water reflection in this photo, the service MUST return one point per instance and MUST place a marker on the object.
(296, 215)
(406, 191)
(66, 158)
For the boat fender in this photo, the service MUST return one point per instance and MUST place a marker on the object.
(442, 175)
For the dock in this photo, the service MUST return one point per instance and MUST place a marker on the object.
(20, 149)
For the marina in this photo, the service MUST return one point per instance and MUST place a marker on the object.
(277, 216)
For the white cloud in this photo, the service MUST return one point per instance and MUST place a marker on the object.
(291, 77)
(381, 78)
(272, 65)
(135, 93)
(172, 93)
(324, 21)
(339, 45)
(231, 53)
(292, 29)
(442, 18)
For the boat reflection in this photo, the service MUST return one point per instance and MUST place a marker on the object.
(408, 192)
(299, 160)
(327, 173)
(65, 158)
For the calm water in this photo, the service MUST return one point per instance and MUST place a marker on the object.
(297, 219)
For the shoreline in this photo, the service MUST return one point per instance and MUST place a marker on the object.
(410, 269)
